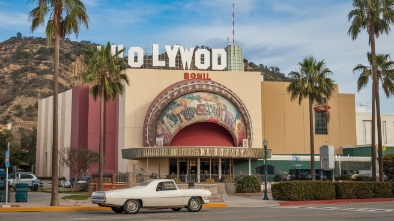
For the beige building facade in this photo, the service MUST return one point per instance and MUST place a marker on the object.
(286, 122)
(194, 124)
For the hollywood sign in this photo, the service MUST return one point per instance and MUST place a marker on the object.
(218, 59)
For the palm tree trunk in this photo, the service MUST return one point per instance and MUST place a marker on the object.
(312, 139)
(374, 80)
(101, 144)
(55, 150)
(379, 127)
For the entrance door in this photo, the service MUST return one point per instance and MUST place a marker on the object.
(192, 170)
(183, 170)
(227, 170)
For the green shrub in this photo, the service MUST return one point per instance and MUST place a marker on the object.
(303, 190)
(209, 180)
(363, 190)
(383, 190)
(362, 178)
(247, 183)
(388, 166)
(352, 190)
(343, 177)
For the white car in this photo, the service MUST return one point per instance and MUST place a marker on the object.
(154, 193)
(69, 183)
(26, 177)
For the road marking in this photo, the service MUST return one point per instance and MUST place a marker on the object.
(80, 218)
(340, 209)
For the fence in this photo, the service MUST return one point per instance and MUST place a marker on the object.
(110, 181)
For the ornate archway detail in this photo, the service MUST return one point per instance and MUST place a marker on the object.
(183, 94)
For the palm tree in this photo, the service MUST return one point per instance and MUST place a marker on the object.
(311, 82)
(375, 16)
(104, 74)
(385, 74)
(65, 17)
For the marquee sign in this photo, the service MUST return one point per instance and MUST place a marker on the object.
(200, 152)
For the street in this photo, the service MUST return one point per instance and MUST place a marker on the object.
(350, 211)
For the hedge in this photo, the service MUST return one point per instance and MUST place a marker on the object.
(326, 190)
(303, 190)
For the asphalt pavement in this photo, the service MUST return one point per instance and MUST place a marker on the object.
(40, 201)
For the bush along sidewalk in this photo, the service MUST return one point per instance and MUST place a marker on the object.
(247, 183)
(326, 190)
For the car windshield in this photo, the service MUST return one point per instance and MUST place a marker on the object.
(145, 183)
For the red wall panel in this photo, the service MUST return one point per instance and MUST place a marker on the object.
(110, 130)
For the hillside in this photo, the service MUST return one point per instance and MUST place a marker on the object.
(26, 73)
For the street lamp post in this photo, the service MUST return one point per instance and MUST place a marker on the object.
(265, 169)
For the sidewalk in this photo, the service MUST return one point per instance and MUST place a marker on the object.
(39, 202)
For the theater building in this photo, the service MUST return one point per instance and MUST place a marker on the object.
(194, 124)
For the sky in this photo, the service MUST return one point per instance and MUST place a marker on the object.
(270, 32)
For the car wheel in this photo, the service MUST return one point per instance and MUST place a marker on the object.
(176, 209)
(131, 206)
(194, 205)
(34, 187)
(117, 209)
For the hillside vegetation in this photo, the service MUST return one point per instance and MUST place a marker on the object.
(26, 75)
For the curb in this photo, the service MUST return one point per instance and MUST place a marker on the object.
(295, 203)
(80, 208)
(214, 205)
(52, 209)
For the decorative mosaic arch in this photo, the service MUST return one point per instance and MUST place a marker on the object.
(163, 110)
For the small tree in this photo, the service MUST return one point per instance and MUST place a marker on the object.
(79, 160)
(388, 166)
(28, 145)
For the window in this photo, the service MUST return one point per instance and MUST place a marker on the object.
(169, 186)
(320, 123)
(25, 176)
(165, 186)
(320, 118)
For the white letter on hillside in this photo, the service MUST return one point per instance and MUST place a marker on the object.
(186, 57)
(114, 50)
(197, 58)
(140, 57)
(172, 54)
(216, 54)
(155, 57)
(120, 47)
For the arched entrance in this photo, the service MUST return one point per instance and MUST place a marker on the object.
(199, 169)
(203, 134)
(202, 120)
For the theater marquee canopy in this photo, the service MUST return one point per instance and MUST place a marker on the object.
(200, 152)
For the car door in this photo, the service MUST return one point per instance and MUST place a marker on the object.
(168, 194)
(26, 178)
